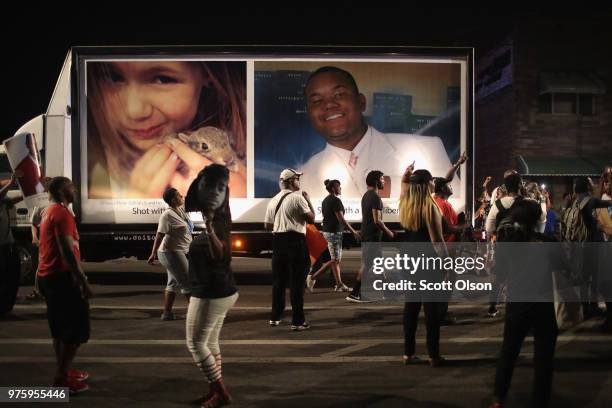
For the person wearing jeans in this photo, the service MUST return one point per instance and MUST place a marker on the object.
(213, 289)
(333, 226)
(171, 247)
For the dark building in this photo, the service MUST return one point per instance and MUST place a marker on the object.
(543, 104)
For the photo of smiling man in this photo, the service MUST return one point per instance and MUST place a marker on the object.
(405, 112)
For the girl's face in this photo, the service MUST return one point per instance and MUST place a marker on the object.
(148, 100)
(212, 195)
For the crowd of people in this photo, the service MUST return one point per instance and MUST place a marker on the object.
(201, 267)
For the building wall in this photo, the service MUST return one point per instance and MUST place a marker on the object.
(495, 117)
(508, 122)
(559, 47)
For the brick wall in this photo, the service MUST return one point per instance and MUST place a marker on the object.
(508, 122)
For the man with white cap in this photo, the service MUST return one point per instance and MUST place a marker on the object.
(286, 215)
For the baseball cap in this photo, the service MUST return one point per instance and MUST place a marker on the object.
(420, 176)
(289, 173)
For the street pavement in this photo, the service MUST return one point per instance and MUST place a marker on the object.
(351, 357)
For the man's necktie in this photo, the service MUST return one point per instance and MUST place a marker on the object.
(353, 160)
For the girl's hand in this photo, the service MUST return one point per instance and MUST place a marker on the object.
(208, 215)
(153, 172)
(196, 162)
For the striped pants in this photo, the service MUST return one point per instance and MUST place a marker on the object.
(204, 322)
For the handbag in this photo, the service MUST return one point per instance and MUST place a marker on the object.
(315, 241)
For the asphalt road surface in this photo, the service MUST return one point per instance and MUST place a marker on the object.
(351, 357)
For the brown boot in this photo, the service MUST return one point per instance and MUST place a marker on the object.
(203, 398)
(220, 397)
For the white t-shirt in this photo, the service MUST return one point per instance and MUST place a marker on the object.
(290, 215)
(174, 224)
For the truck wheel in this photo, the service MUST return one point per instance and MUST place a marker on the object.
(28, 262)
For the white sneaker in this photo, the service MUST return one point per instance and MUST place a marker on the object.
(357, 299)
(275, 323)
(342, 288)
(301, 327)
(310, 283)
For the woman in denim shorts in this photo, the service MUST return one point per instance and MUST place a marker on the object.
(171, 247)
(333, 226)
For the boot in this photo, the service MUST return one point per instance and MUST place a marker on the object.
(220, 397)
(205, 397)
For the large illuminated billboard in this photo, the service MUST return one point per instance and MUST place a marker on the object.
(148, 122)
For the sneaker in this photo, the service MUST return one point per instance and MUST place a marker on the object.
(437, 361)
(74, 386)
(168, 316)
(310, 283)
(493, 313)
(357, 299)
(342, 288)
(275, 323)
(449, 321)
(34, 295)
(78, 375)
(300, 327)
(407, 360)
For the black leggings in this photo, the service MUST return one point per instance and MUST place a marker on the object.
(432, 324)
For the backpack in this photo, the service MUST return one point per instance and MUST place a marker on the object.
(573, 228)
(505, 230)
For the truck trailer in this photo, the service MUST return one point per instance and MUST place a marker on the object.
(117, 113)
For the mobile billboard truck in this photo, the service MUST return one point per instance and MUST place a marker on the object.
(125, 123)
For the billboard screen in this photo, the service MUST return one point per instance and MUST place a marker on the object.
(149, 123)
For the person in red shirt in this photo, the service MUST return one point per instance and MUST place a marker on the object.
(63, 284)
(442, 191)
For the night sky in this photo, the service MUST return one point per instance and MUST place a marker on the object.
(35, 46)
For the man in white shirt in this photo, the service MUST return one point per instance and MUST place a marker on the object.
(286, 215)
(353, 149)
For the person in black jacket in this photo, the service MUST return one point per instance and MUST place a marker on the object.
(529, 283)
(213, 289)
